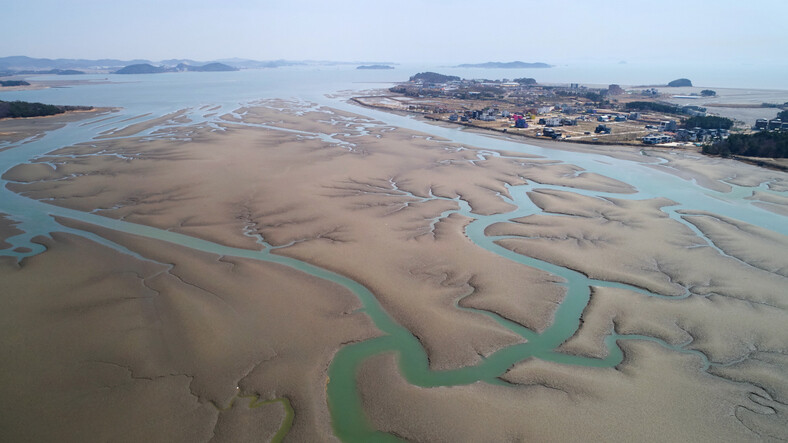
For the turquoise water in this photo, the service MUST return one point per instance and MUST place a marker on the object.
(165, 93)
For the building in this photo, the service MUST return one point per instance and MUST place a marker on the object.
(668, 126)
(552, 121)
(653, 139)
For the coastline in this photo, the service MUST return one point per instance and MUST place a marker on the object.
(618, 150)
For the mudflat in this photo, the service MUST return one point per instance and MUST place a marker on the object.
(140, 337)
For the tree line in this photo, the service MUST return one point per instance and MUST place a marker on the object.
(761, 144)
(17, 109)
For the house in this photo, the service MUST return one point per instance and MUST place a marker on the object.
(667, 126)
(761, 123)
(520, 123)
(634, 116)
(453, 117)
(775, 123)
(602, 129)
(552, 121)
(653, 139)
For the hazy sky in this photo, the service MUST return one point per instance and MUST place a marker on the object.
(552, 31)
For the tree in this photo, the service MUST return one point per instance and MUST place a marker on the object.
(760, 144)
(708, 122)
(525, 81)
(783, 115)
(708, 93)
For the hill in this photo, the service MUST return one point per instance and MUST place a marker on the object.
(680, 82)
(433, 77)
(142, 68)
(505, 65)
(211, 67)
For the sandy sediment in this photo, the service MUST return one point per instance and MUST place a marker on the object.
(134, 129)
(7, 229)
(375, 204)
(771, 202)
(756, 246)
(722, 328)
(13, 130)
(364, 208)
(180, 337)
(718, 173)
(655, 395)
(634, 242)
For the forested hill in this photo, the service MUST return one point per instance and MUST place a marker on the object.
(18, 109)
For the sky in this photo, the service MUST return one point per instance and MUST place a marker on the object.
(405, 31)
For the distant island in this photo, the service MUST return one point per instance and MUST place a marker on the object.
(17, 109)
(146, 68)
(505, 65)
(9, 83)
(680, 82)
(375, 67)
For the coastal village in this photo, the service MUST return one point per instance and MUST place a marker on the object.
(571, 112)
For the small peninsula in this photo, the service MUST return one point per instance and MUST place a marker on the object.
(505, 65)
(18, 109)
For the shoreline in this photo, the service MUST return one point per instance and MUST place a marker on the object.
(576, 145)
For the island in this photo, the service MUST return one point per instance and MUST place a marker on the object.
(679, 82)
(505, 65)
(10, 83)
(146, 68)
(375, 67)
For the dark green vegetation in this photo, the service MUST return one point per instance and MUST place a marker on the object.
(505, 65)
(13, 83)
(652, 106)
(708, 122)
(760, 144)
(783, 115)
(708, 93)
(145, 68)
(680, 82)
(525, 81)
(18, 109)
(433, 77)
(375, 67)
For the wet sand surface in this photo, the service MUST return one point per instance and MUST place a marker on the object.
(183, 340)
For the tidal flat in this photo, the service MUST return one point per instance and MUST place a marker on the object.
(207, 278)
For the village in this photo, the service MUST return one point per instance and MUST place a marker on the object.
(571, 112)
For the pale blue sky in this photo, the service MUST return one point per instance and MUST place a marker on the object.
(553, 31)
